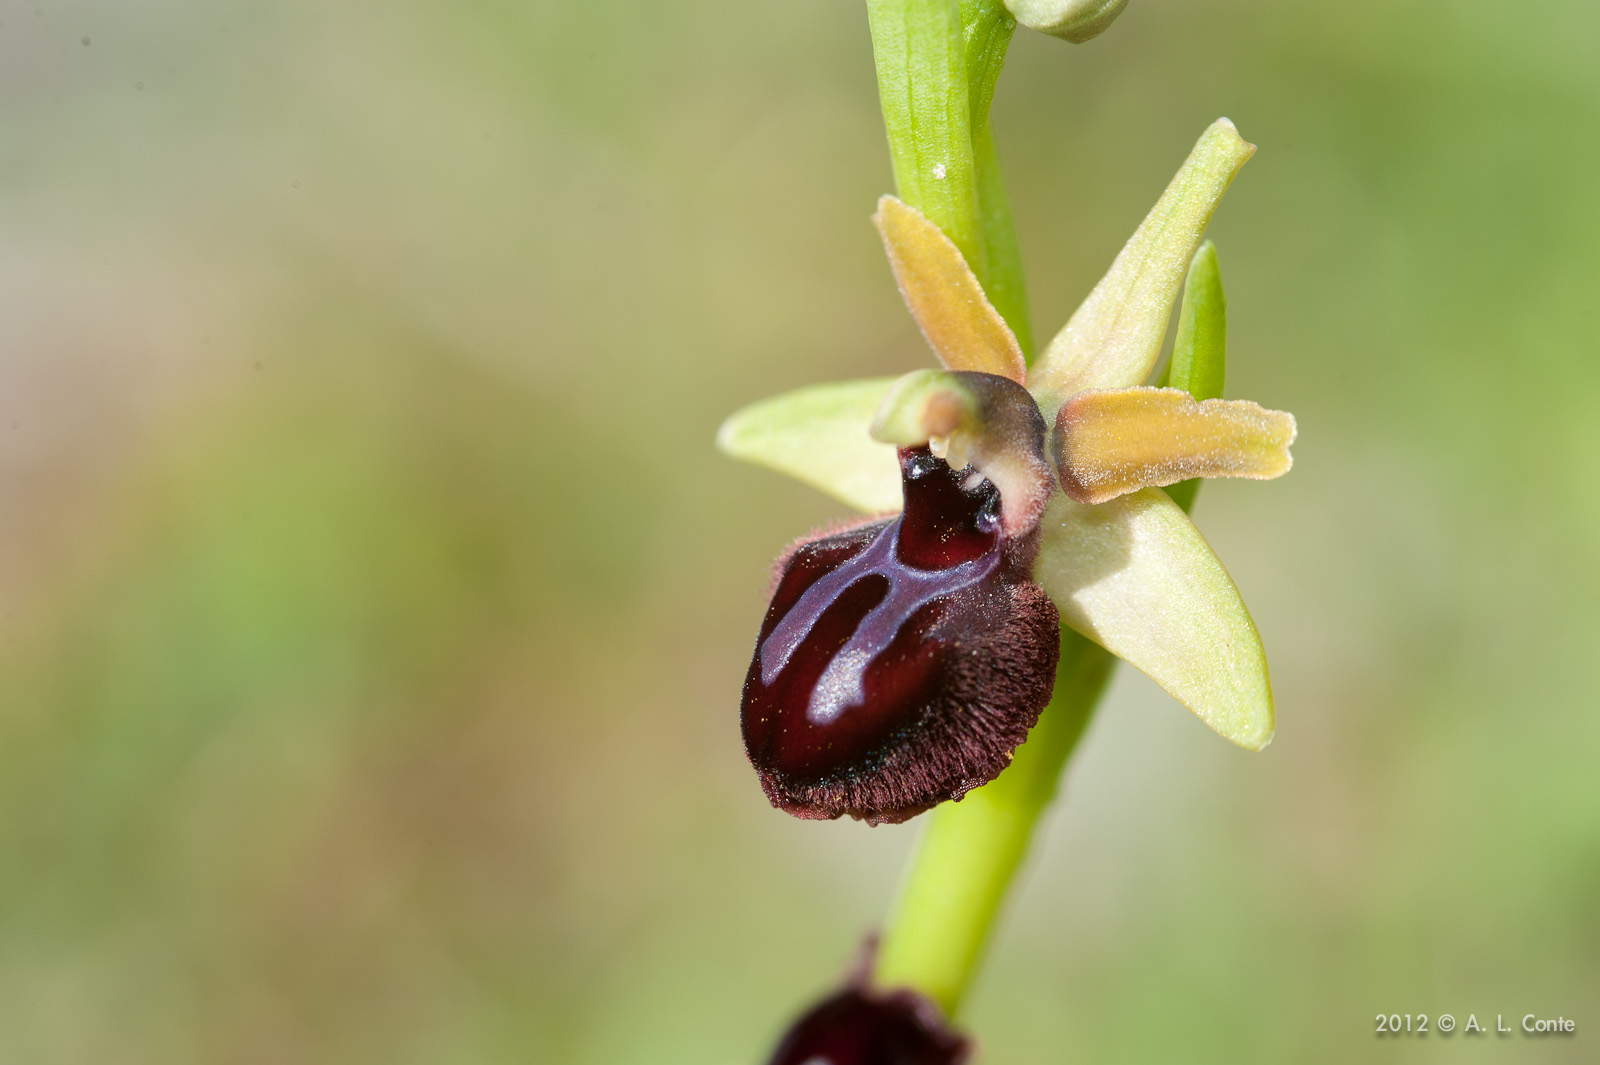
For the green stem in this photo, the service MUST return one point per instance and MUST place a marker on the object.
(972, 849)
(921, 55)
(938, 63)
(987, 29)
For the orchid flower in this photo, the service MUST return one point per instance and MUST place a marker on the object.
(904, 658)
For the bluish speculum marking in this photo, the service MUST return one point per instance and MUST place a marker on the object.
(910, 588)
(855, 648)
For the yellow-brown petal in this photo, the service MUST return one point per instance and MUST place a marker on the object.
(944, 295)
(1110, 443)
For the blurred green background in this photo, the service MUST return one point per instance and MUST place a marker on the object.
(373, 604)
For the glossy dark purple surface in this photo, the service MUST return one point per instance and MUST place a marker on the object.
(855, 1027)
(900, 661)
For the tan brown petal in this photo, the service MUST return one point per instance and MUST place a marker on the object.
(1109, 443)
(944, 295)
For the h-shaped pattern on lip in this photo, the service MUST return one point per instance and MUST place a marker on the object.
(910, 589)
(901, 661)
(909, 675)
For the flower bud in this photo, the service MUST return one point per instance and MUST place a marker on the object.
(860, 1027)
(1073, 20)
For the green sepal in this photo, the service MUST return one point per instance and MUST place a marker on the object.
(1114, 339)
(1137, 577)
(818, 435)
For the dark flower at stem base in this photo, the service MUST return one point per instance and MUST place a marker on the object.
(859, 1027)
(902, 661)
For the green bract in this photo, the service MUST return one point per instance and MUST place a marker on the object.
(1132, 573)
(1199, 360)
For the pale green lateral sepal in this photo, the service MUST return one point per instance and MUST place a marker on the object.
(1136, 576)
(819, 435)
(1114, 338)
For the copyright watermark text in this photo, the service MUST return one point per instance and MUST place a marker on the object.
(1530, 1025)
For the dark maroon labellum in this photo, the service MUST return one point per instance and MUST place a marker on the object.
(901, 661)
(856, 1027)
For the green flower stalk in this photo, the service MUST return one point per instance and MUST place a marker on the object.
(1031, 522)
